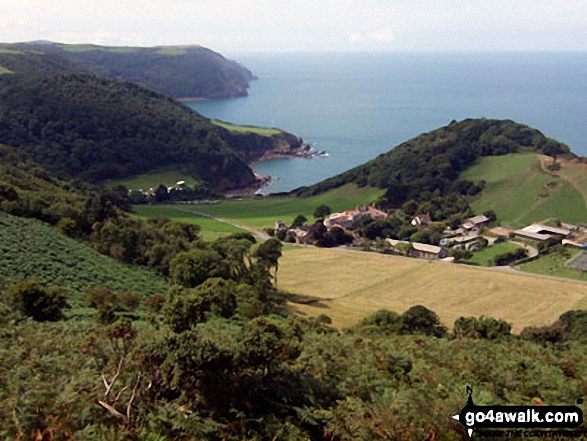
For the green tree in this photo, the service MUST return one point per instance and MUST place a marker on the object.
(268, 255)
(193, 267)
(266, 343)
(419, 319)
(322, 211)
(36, 301)
(299, 221)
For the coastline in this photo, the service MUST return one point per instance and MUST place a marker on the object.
(306, 151)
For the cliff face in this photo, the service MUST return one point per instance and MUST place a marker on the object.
(178, 71)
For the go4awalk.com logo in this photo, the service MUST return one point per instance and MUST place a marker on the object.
(475, 417)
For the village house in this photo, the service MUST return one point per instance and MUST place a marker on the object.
(422, 220)
(347, 218)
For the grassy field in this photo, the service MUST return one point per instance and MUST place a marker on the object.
(265, 212)
(356, 284)
(485, 256)
(173, 51)
(4, 50)
(262, 131)
(211, 228)
(553, 264)
(576, 174)
(29, 248)
(167, 176)
(520, 192)
(91, 47)
(4, 71)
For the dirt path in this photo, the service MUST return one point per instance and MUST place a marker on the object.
(254, 232)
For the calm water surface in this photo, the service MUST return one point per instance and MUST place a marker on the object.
(356, 106)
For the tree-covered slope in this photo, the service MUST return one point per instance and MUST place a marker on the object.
(431, 162)
(82, 125)
(179, 71)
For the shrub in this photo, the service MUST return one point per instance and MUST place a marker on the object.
(420, 320)
(36, 301)
(387, 322)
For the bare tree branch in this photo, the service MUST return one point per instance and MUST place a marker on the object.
(114, 412)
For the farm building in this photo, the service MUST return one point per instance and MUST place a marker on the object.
(420, 250)
(541, 233)
(476, 222)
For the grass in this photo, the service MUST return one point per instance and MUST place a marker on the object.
(4, 71)
(91, 47)
(167, 176)
(262, 131)
(356, 284)
(173, 51)
(485, 256)
(553, 264)
(264, 212)
(576, 174)
(211, 228)
(4, 50)
(520, 192)
(30, 248)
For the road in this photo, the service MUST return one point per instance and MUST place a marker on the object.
(532, 252)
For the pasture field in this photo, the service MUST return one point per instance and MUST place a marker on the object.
(4, 71)
(262, 131)
(521, 192)
(173, 51)
(167, 176)
(30, 248)
(576, 174)
(92, 47)
(553, 264)
(5, 50)
(353, 285)
(211, 228)
(264, 212)
(485, 256)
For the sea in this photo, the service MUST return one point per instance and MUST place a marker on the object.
(355, 106)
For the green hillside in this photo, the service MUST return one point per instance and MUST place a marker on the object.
(521, 191)
(428, 166)
(32, 249)
(179, 71)
(16, 60)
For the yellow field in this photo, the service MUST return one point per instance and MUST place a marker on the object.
(356, 284)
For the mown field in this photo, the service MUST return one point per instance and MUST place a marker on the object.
(521, 193)
(356, 284)
(264, 212)
(32, 249)
(263, 131)
(485, 256)
(167, 176)
(211, 228)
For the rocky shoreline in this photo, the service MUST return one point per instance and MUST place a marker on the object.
(305, 151)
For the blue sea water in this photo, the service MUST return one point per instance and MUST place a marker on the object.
(356, 106)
